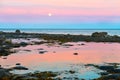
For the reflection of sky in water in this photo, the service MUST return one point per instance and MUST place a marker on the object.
(81, 72)
(60, 58)
(63, 69)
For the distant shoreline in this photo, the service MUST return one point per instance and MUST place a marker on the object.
(94, 37)
(65, 31)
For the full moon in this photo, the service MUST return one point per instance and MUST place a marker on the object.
(49, 14)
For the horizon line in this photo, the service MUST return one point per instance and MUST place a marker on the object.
(59, 29)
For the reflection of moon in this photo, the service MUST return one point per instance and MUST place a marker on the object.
(49, 14)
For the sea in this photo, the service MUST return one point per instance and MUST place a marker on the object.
(66, 31)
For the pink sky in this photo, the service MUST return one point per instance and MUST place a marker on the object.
(62, 7)
(65, 8)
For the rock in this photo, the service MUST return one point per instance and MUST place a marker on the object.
(30, 78)
(4, 52)
(23, 44)
(54, 51)
(90, 65)
(99, 34)
(68, 45)
(45, 75)
(17, 31)
(112, 77)
(40, 49)
(106, 67)
(16, 45)
(71, 72)
(24, 77)
(4, 73)
(104, 73)
(114, 64)
(42, 52)
(39, 42)
(18, 64)
(20, 68)
(116, 71)
(27, 50)
(4, 57)
(82, 44)
(75, 53)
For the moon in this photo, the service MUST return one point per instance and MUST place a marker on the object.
(49, 14)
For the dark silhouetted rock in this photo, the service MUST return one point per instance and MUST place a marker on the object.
(4, 57)
(75, 53)
(99, 34)
(42, 52)
(106, 67)
(116, 71)
(4, 73)
(20, 68)
(104, 73)
(27, 50)
(68, 45)
(71, 72)
(18, 64)
(17, 31)
(82, 44)
(23, 44)
(24, 77)
(111, 77)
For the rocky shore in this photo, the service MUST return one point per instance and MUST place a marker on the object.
(6, 75)
(94, 37)
(111, 71)
(7, 37)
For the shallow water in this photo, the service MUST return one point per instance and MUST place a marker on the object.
(59, 58)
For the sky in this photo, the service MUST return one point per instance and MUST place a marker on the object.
(60, 14)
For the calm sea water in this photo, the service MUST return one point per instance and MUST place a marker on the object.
(64, 31)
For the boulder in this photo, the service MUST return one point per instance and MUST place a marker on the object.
(82, 44)
(104, 73)
(24, 77)
(23, 44)
(106, 67)
(75, 53)
(116, 71)
(68, 45)
(18, 64)
(112, 77)
(99, 34)
(20, 68)
(42, 52)
(4, 73)
(17, 31)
